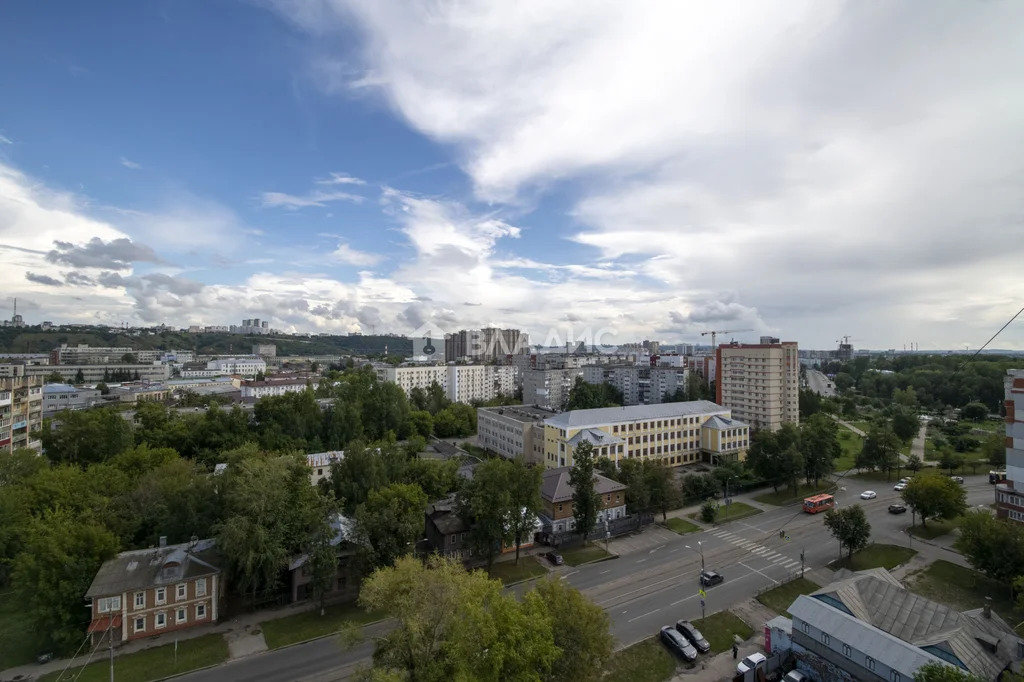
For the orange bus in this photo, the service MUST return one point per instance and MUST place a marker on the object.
(819, 503)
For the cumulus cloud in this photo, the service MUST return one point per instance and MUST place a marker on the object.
(347, 255)
(78, 279)
(340, 179)
(117, 254)
(43, 279)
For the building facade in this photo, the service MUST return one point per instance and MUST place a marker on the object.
(93, 374)
(264, 350)
(549, 388)
(21, 410)
(760, 383)
(556, 495)
(84, 354)
(513, 431)
(149, 592)
(319, 464)
(446, 531)
(461, 383)
(1010, 493)
(671, 433)
(639, 384)
(245, 366)
(254, 390)
(484, 345)
(60, 397)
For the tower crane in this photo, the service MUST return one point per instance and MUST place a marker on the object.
(722, 331)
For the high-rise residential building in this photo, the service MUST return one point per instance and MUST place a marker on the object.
(549, 388)
(484, 345)
(513, 431)
(21, 409)
(1010, 492)
(674, 434)
(461, 383)
(265, 350)
(760, 383)
(84, 354)
(639, 384)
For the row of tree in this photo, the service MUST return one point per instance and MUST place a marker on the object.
(785, 456)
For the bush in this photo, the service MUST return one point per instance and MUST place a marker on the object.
(708, 511)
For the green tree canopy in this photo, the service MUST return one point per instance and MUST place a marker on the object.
(585, 501)
(390, 522)
(486, 500)
(935, 497)
(993, 546)
(974, 411)
(86, 436)
(849, 526)
(582, 632)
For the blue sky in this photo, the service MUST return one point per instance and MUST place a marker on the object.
(644, 170)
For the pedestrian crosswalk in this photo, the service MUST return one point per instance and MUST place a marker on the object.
(771, 555)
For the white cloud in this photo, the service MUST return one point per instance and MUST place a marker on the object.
(340, 179)
(826, 165)
(5, 140)
(347, 255)
(292, 201)
(127, 163)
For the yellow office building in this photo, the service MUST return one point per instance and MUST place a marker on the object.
(675, 434)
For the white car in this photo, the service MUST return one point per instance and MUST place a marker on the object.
(795, 676)
(900, 486)
(750, 662)
(868, 495)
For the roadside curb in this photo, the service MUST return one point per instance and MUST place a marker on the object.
(307, 641)
(597, 561)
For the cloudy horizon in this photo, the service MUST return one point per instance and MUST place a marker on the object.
(807, 170)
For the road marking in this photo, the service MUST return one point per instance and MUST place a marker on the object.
(757, 571)
(769, 555)
(656, 549)
(570, 573)
(778, 559)
(603, 572)
(792, 564)
(761, 551)
(649, 613)
(674, 550)
(692, 596)
(640, 561)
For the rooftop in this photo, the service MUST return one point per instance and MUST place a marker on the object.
(445, 517)
(522, 413)
(155, 566)
(721, 423)
(614, 415)
(555, 486)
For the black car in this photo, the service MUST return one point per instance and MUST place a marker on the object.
(693, 635)
(678, 644)
(897, 508)
(555, 558)
(709, 578)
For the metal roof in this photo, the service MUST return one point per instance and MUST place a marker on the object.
(555, 486)
(142, 568)
(614, 415)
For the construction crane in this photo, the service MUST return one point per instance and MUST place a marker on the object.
(845, 340)
(722, 331)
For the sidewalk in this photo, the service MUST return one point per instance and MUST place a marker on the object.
(242, 633)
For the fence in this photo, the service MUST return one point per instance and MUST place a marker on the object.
(615, 528)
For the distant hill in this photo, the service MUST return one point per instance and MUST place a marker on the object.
(34, 340)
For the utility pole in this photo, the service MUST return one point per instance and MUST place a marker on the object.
(110, 645)
(801, 562)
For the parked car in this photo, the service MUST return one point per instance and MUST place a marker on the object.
(900, 486)
(709, 578)
(868, 495)
(750, 662)
(958, 479)
(691, 633)
(897, 508)
(905, 479)
(677, 643)
(795, 676)
(555, 558)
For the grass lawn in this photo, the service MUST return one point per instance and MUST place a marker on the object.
(963, 588)
(935, 528)
(737, 510)
(508, 572)
(153, 664)
(581, 555)
(309, 624)
(719, 628)
(780, 598)
(786, 496)
(681, 526)
(17, 643)
(646, 661)
(861, 424)
(875, 556)
(851, 445)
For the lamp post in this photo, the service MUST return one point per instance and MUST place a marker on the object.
(700, 551)
(727, 500)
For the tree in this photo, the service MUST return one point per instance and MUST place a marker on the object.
(809, 403)
(86, 436)
(819, 445)
(935, 497)
(581, 632)
(905, 423)
(390, 522)
(880, 450)
(586, 502)
(994, 449)
(454, 625)
(849, 526)
(950, 460)
(765, 458)
(487, 501)
(524, 501)
(61, 555)
(658, 481)
(914, 463)
(421, 423)
(974, 411)
(436, 477)
(103, 388)
(322, 555)
(905, 398)
(994, 547)
(79, 377)
(54, 377)
(708, 511)
(584, 396)
(129, 359)
(941, 672)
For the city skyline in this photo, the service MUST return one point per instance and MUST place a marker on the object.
(806, 171)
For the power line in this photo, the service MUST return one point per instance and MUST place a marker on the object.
(971, 359)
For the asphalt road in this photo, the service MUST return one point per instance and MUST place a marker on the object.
(651, 588)
(819, 383)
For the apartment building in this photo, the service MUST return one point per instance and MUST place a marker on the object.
(1010, 493)
(21, 410)
(171, 356)
(556, 494)
(149, 592)
(245, 366)
(319, 464)
(93, 374)
(84, 354)
(255, 390)
(484, 345)
(264, 350)
(672, 433)
(60, 397)
(760, 383)
(639, 384)
(549, 388)
(461, 383)
(870, 627)
(513, 431)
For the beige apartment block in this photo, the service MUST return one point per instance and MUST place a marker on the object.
(760, 383)
(513, 431)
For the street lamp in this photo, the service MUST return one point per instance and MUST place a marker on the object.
(727, 500)
(701, 552)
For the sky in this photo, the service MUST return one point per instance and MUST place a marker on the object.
(599, 170)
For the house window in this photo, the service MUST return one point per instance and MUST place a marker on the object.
(894, 676)
(846, 650)
(140, 624)
(140, 600)
(182, 615)
(182, 591)
(109, 604)
(869, 663)
(161, 619)
(201, 587)
(161, 595)
(200, 611)
(559, 507)
(806, 626)
(825, 639)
